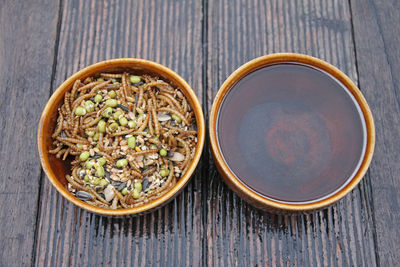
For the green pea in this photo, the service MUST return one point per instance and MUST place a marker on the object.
(107, 112)
(135, 79)
(121, 163)
(80, 111)
(89, 164)
(131, 124)
(80, 146)
(103, 182)
(100, 171)
(84, 156)
(163, 152)
(153, 146)
(98, 98)
(86, 178)
(100, 79)
(164, 172)
(96, 137)
(89, 133)
(132, 142)
(96, 181)
(176, 118)
(112, 94)
(117, 114)
(124, 191)
(113, 127)
(101, 126)
(111, 103)
(138, 186)
(135, 194)
(101, 161)
(89, 106)
(115, 82)
(123, 121)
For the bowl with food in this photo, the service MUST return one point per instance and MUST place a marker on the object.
(122, 136)
(291, 133)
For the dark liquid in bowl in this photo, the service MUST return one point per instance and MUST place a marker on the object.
(291, 132)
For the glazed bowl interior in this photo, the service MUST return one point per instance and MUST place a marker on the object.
(291, 132)
(56, 169)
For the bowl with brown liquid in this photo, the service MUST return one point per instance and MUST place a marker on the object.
(290, 132)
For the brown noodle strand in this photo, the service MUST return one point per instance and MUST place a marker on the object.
(155, 119)
(90, 124)
(108, 157)
(149, 171)
(73, 92)
(75, 184)
(58, 155)
(67, 103)
(76, 135)
(88, 86)
(97, 196)
(71, 140)
(99, 86)
(140, 97)
(55, 150)
(173, 100)
(150, 125)
(144, 152)
(120, 197)
(144, 124)
(59, 126)
(66, 153)
(110, 75)
(122, 133)
(78, 101)
(187, 152)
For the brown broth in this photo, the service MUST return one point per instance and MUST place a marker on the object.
(291, 132)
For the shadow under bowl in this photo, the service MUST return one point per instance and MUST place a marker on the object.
(56, 169)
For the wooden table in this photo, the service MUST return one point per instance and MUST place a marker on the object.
(42, 42)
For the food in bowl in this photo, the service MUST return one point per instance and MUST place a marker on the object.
(129, 138)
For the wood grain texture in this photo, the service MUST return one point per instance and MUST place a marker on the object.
(237, 233)
(377, 38)
(26, 55)
(168, 32)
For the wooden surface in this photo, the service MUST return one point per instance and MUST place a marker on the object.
(26, 53)
(341, 235)
(43, 42)
(377, 35)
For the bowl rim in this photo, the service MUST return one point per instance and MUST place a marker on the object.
(238, 186)
(122, 63)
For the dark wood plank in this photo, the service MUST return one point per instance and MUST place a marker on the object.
(27, 40)
(377, 38)
(237, 233)
(168, 32)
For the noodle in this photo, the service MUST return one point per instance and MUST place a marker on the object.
(122, 145)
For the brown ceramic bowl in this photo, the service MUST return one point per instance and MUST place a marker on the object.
(291, 133)
(56, 169)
